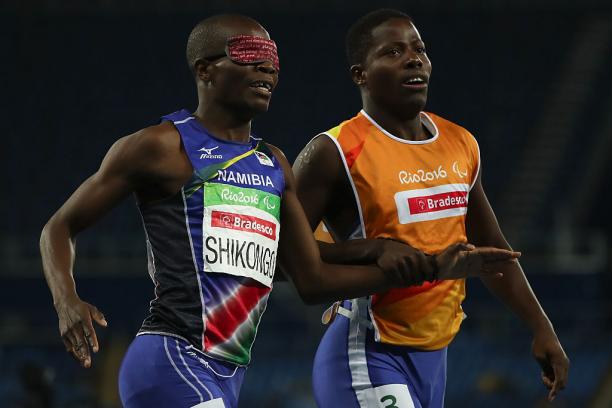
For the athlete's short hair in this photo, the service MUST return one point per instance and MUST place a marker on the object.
(209, 36)
(359, 36)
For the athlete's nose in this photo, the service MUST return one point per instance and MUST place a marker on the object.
(413, 60)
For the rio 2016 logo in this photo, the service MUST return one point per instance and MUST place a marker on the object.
(419, 176)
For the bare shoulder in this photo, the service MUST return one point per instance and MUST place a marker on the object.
(320, 160)
(320, 151)
(148, 156)
(151, 142)
(278, 153)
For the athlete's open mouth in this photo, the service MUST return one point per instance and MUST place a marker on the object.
(265, 86)
(415, 81)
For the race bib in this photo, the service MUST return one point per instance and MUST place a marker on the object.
(389, 396)
(214, 403)
(241, 231)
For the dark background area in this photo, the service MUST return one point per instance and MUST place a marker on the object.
(531, 80)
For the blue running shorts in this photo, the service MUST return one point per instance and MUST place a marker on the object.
(166, 371)
(352, 370)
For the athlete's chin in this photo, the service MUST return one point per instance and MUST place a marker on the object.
(259, 107)
(413, 102)
(250, 109)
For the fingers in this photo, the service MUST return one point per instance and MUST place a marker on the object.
(90, 332)
(77, 345)
(67, 344)
(70, 340)
(81, 346)
(98, 316)
(560, 373)
(90, 335)
(458, 247)
(554, 375)
(547, 381)
(491, 254)
(76, 327)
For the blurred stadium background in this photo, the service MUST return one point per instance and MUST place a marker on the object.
(531, 79)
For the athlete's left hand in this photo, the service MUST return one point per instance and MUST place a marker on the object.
(549, 354)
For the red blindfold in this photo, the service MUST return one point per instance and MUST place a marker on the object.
(248, 49)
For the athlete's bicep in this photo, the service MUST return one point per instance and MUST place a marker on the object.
(113, 181)
(481, 223)
(316, 173)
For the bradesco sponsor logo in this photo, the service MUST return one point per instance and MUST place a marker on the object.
(242, 222)
(437, 202)
(448, 200)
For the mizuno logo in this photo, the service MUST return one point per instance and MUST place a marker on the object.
(208, 153)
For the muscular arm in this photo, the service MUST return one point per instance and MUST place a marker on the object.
(127, 165)
(514, 290)
(95, 197)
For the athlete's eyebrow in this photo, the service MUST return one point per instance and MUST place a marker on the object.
(415, 41)
(384, 45)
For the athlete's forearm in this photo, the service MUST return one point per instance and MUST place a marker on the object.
(514, 290)
(335, 282)
(57, 253)
(356, 251)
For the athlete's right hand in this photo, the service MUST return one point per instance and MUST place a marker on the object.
(76, 328)
(462, 260)
(403, 264)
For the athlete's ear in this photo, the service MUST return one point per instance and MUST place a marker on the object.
(358, 74)
(202, 69)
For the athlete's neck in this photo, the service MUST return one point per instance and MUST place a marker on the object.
(408, 127)
(222, 123)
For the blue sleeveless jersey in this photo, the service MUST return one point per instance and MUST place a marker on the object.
(212, 247)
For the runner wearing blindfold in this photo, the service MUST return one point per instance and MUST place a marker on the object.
(211, 198)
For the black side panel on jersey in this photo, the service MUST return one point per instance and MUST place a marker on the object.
(177, 307)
